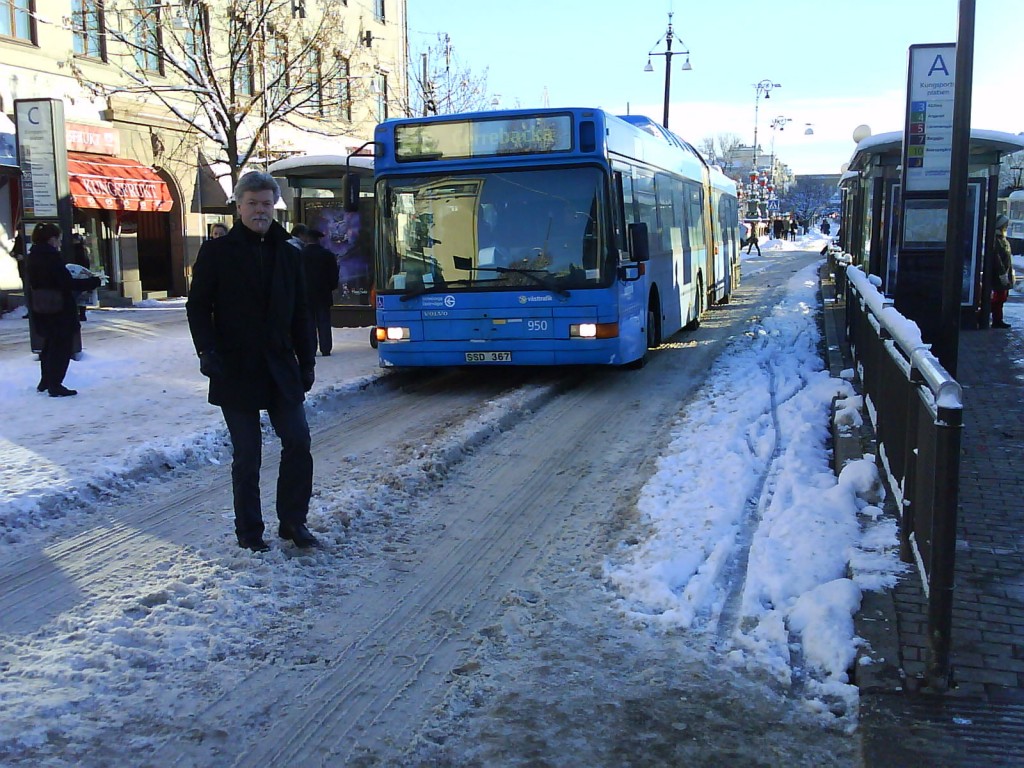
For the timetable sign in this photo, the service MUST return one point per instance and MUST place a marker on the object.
(928, 138)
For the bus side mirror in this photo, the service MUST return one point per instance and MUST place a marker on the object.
(638, 245)
(350, 192)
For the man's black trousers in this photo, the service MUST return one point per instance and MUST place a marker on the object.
(295, 477)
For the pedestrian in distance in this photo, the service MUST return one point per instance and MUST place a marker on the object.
(52, 304)
(793, 229)
(80, 256)
(1003, 277)
(249, 320)
(218, 230)
(298, 238)
(751, 240)
(321, 281)
(18, 253)
(825, 227)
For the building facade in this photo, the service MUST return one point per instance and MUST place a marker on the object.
(149, 160)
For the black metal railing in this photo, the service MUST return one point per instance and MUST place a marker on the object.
(916, 409)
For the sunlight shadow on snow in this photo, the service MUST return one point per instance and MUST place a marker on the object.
(133, 328)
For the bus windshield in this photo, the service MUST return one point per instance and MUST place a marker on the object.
(504, 230)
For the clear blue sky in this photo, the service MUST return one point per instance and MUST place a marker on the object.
(841, 63)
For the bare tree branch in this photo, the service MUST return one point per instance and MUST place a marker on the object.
(231, 72)
(440, 84)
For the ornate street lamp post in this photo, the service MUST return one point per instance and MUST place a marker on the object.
(765, 87)
(668, 53)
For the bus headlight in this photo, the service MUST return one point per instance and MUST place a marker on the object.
(594, 331)
(393, 333)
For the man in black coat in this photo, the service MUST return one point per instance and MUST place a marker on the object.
(321, 280)
(249, 320)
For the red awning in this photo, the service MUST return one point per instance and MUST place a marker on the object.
(116, 184)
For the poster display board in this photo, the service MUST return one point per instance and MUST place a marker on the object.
(349, 236)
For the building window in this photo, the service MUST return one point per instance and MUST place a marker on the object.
(145, 37)
(277, 76)
(343, 90)
(194, 39)
(87, 28)
(378, 10)
(312, 84)
(240, 59)
(381, 84)
(16, 19)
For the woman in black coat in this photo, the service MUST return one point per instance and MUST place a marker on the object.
(53, 307)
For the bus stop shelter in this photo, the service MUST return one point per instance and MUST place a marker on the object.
(314, 184)
(902, 253)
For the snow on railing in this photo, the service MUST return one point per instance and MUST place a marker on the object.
(906, 334)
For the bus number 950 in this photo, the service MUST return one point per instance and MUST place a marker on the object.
(536, 325)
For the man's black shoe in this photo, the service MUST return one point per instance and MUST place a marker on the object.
(1000, 324)
(61, 391)
(41, 387)
(299, 534)
(255, 544)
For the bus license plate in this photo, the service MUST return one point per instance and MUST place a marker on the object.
(488, 357)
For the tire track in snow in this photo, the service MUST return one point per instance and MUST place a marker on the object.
(735, 574)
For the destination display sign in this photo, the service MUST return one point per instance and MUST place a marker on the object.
(418, 142)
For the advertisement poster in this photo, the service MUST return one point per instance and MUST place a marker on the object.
(349, 237)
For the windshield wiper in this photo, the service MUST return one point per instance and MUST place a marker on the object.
(533, 274)
(466, 264)
(412, 293)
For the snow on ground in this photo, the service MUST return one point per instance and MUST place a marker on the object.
(762, 431)
(762, 475)
(141, 405)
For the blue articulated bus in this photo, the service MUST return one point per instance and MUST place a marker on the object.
(544, 237)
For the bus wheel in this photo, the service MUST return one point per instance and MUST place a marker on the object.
(373, 336)
(699, 308)
(653, 328)
(653, 339)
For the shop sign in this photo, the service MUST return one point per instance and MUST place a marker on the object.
(99, 139)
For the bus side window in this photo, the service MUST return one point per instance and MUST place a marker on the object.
(618, 212)
(628, 198)
(645, 200)
(696, 219)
